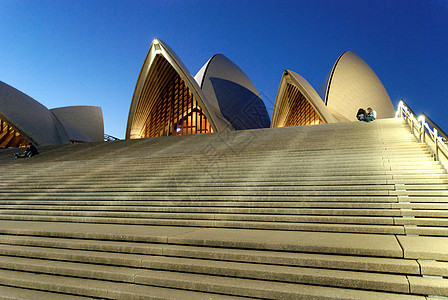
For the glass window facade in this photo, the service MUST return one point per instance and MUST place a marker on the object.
(176, 112)
(166, 105)
(296, 110)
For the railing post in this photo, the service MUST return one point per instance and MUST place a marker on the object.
(422, 131)
(436, 143)
(406, 115)
(401, 109)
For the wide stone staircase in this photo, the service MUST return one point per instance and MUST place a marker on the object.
(336, 211)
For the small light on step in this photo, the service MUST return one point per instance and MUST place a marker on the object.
(421, 118)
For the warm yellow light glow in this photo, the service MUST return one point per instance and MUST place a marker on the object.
(9, 137)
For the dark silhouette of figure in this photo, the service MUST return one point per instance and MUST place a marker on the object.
(30, 151)
(361, 115)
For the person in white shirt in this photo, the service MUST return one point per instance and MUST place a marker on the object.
(371, 114)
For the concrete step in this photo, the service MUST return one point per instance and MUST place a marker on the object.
(424, 247)
(323, 174)
(423, 199)
(429, 286)
(97, 288)
(258, 225)
(426, 231)
(8, 292)
(318, 242)
(226, 188)
(223, 176)
(131, 254)
(423, 186)
(425, 205)
(400, 154)
(279, 181)
(175, 272)
(142, 206)
(271, 161)
(226, 193)
(232, 286)
(426, 213)
(344, 216)
(125, 197)
(427, 192)
(271, 214)
(343, 157)
(433, 268)
(436, 222)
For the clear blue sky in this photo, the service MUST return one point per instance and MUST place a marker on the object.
(88, 52)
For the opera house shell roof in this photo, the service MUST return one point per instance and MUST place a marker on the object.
(351, 84)
(167, 100)
(82, 123)
(297, 103)
(228, 88)
(24, 120)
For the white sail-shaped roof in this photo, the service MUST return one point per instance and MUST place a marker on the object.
(352, 84)
(40, 126)
(232, 94)
(82, 123)
(30, 118)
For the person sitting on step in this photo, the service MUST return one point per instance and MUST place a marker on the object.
(371, 115)
(30, 151)
(361, 115)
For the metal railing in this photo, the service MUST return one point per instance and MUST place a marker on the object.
(425, 130)
(109, 138)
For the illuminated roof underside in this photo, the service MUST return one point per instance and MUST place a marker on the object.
(9, 137)
(352, 84)
(166, 100)
(297, 103)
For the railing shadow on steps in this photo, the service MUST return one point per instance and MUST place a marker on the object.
(426, 132)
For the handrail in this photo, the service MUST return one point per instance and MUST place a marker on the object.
(109, 138)
(438, 138)
(434, 125)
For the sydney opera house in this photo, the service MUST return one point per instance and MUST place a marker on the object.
(251, 211)
(168, 100)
